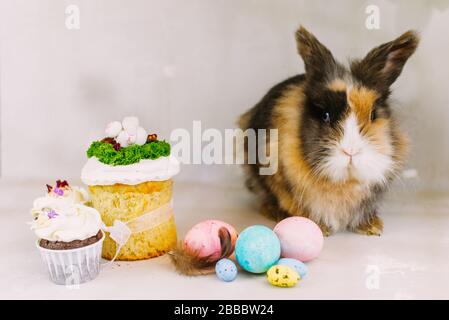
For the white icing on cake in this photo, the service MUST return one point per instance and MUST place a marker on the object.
(96, 173)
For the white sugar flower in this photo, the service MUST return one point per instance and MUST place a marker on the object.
(127, 132)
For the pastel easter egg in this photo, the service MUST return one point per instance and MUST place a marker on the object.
(204, 238)
(226, 270)
(113, 129)
(257, 249)
(300, 238)
(296, 265)
(282, 276)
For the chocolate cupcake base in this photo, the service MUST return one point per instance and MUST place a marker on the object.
(75, 244)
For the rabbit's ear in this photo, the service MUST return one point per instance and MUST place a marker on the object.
(383, 64)
(318, 60)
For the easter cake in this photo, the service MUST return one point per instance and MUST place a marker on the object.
(129, 177)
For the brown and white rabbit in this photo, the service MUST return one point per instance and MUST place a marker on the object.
(339, 144)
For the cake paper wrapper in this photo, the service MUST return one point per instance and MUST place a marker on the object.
(74, 266)
(121, 231)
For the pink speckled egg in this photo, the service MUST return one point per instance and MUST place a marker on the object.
(300, 238)
(203, 238)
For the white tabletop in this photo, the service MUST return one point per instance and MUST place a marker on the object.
(410, 260)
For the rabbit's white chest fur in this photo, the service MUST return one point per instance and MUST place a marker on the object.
(338, 209)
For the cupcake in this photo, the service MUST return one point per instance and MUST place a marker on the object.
(69, 234)
(129, 177)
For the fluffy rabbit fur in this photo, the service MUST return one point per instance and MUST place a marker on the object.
(339, 144)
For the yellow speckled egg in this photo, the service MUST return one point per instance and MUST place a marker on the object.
(282, 276)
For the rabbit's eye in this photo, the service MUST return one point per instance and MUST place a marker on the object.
(327, 117)
(373, 115)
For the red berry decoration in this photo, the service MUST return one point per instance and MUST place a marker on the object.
(109, 140)
(61, 184)
(152, 137)
(49, 188)
(117, 146)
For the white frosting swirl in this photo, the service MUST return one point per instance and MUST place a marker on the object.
(64, 218)
(96, 173)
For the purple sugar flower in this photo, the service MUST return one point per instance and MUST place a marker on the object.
(52, 214)
(58, 191)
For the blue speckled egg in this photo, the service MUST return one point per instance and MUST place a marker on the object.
(226, 270)
(296, 265)
(257, 249)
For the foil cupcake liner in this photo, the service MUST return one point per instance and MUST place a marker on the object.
(74, 266)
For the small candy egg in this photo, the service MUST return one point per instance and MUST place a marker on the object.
(296, 265)
(226, 270)
(282, 276)
(257, 249)
(141, 136)
(130, 124)
(113, 129)
(123, 139)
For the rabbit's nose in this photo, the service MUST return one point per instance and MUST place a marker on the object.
(350, 152)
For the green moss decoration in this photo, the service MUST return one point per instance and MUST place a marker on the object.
(106, 153)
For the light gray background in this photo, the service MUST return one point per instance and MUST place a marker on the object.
(171, 62)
